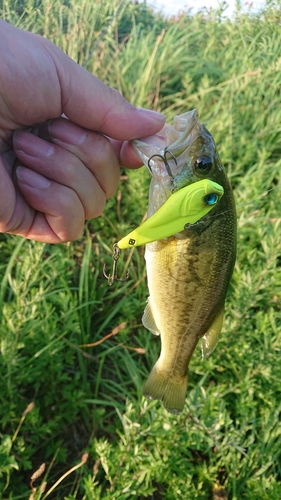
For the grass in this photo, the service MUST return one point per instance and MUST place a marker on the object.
(54, 299)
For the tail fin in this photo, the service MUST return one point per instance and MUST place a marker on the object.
(171, 391)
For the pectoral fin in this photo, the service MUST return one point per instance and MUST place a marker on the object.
(148, 320)
(211, 337)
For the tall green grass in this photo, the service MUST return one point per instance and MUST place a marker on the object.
(54, 299)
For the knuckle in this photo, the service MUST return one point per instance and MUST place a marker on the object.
(117, 103)
(110, 189)
(71, 235)
(96, 208)
(68, 224)
(115, 98)
(68, 202)
(103, 150)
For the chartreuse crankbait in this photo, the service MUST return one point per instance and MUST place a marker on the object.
(184, 207)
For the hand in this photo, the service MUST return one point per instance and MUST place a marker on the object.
(59, 173)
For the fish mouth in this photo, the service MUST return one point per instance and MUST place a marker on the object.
(170, 155)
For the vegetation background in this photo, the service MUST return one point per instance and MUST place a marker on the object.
(80, 411)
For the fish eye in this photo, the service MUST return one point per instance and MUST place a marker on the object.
(203, 165)
(211, 199)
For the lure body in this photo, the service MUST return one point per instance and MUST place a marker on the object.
(186, 206)
(189, 272)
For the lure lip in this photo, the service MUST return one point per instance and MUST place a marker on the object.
(186, 206)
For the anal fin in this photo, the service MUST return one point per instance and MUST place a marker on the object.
(212, 335)
(148, 320)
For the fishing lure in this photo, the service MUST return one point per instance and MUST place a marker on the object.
(184, 207)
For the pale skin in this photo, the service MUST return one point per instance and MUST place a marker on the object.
(56, 172)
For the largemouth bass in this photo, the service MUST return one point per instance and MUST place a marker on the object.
(188, 273)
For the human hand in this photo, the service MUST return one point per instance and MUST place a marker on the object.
(51, 182)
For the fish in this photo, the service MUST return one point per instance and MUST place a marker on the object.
(189, 272)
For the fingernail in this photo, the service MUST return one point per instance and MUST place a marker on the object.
(154, 115)
(31, 145)
(64, 131)
(31, 178)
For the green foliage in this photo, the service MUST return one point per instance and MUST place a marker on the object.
(54, 299)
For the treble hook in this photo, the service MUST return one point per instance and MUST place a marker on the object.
(115, 256)
(165, 161)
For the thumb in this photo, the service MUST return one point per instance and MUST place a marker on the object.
(91, 104)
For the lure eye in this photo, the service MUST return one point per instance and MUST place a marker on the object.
(211, 199)
(203, 165)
